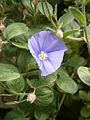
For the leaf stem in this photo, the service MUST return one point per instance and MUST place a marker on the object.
(61, 102)
(15, 102)
(8, 95)
(30, 73)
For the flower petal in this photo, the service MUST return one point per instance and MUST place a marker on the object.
(56, 58)
(46, 68)
(41, 37)
(33, 46)
(55, 44)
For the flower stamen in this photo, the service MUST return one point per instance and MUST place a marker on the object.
(42, 55)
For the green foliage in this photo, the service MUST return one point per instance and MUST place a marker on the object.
(85, 96)
(60, 93)
(29, 5)
(78, 15)
(44, 96)
(16, 85)
(85, 111)
(15, 29)
(66, 83)
(39, 115)
(84, 75)
(20, 42)
(15, 115)
(43, 81)
(42, 7)
(8, 72)
(76, 61)
(66, 19)
(25, 61)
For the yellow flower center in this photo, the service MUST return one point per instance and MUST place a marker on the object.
(42, 56)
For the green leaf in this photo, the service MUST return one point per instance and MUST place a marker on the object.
(78, 15)
(21, 41)
(26, 61)
(66, 19)
(29, 5)
(84, 75)
(71, 32)
(44, 81)
(27, 108)
(84, 95)
(72, 26)
(76, 61)
(44, 9)
(66, 83)
(44, 95)
(88, 36)
(88, 31)
(16, 85)
(15, 115)
(85, 111)
(8, 72)
(37, 28)
(15, 29)
(9, 76)
(20, 45)
(51, 109)
(39, 115)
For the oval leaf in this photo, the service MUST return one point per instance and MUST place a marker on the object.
(29, 5)
(15, 115)
(8, 72)
(44, 81)
(15, 29)
(76, 61)
(84, 95)
(16, 85)
(84, 75)
(66, 83)
(44, 10)
(44, 96)
(85, 111)
(71, 32)
(39, 115)
(78, 15)
(66, 19)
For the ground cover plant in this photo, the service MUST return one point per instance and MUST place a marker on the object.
(44, 59)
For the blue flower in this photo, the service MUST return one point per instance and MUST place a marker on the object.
(47, 50)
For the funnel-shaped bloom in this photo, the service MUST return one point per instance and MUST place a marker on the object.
(47, 50)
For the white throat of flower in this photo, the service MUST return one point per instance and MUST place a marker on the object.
(42, 55)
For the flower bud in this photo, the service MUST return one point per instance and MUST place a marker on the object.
(2, 27)
(31, 97)
(59, 33)
(25, 13)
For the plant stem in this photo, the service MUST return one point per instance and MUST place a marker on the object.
(61, 102)
(15, 102)
(30, 73)
(8, 95)
(75, 39)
